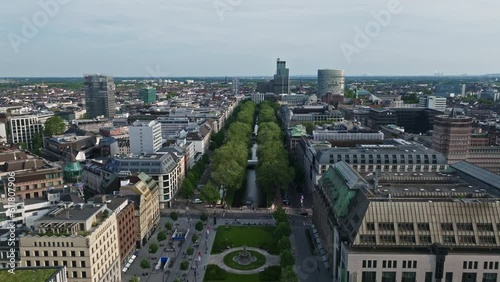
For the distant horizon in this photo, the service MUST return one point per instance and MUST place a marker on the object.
(249, 76)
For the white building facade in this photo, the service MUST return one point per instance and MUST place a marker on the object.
(145, 137)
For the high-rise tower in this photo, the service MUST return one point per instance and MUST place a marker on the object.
(281, 81)
(99, 95)
(330, 81)
(452, 136)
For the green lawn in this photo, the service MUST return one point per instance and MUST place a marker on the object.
(27, 275)
(251, 236)
(228, 260)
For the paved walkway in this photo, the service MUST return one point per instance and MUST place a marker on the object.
(219, 260)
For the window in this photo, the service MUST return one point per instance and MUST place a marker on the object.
(37, 254)
(488, 240)
(47, 263)
(56, 263)
(407, 239)
(73, 253)
(84, 274)
(388, 238)
(63, 253)
(369, 276)
(386, 226)
(75, 274)
(367, 238)
(82, 253)
(82, 263)
(54, 253)
(428, 277)
(425, 239)
(406, 226)
(469, 277)
(484, 227)
(73, 263)
(423, 226)
(37, 263)
(388, 276)
(490, 277)
(27, 253)
(449, 277)
(449, 239)
(447, 226)
(467, 239)
(465, 227)
(45, 253)
(409, 277)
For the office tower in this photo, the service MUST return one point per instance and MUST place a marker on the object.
(145, 137)
(236, 86)
(281, 81)
(330, 81)
(452, 136)
(148, 95)
(433, 102)
(24, 129)
(99, 95)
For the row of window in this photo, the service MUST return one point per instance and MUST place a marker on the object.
(446, 239)
(54, 253)
(424, 226)
(475, 264)
(37, 263)
(371, 276)
(54, 244)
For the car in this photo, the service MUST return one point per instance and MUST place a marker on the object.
(196, 201)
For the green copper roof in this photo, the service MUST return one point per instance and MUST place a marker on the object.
(298, 131)
(339, 186)
(73, 166)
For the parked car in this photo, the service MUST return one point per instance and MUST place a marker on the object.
(196, 201)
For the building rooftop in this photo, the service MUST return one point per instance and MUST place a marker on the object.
(31, 274)
(482, 174)
(72, 212)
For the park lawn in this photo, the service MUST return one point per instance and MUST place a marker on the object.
(251, 236)
(231, 277)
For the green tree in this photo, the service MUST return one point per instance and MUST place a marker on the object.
(168, 225)
(284, 243)
(134, 279)
(194, 238)
(288, 275)
(189, 251)
(37, 143)
(145, 264)
(174, 216)
(199, 226)
(161, 236)
(287, 258)
(283, 229)
(210, 193)
(280, 215)
(204, 216)
(54, 126)
(184, 265)
(187, 189)
(153, 248)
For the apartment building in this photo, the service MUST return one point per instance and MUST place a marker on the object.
(431, 227)
(83, 238)
(143, 192)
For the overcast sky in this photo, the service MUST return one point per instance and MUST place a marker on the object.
(244, 37)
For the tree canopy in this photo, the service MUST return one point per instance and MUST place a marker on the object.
(54, 126)
(210, 193)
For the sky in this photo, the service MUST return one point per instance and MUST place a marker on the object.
(162, 38)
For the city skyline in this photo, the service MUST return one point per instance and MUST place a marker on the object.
(238, 38)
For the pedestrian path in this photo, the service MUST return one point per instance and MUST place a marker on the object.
(218, 259)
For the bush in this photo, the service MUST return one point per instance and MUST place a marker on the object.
(199, 226)
(184, 265)
(174, 216)
(194, 238)
(280, 216)
(204, 217)
(272, 273)
(214, 272)
(190, 251)
(168, 225)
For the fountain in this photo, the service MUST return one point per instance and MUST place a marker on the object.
(244, 257)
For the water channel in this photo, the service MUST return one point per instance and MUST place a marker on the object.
(252, 195)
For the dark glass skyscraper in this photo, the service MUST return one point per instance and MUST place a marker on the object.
(281, 81)
(99, 95)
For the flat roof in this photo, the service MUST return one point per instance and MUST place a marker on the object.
(74, 213)
(38, 274)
